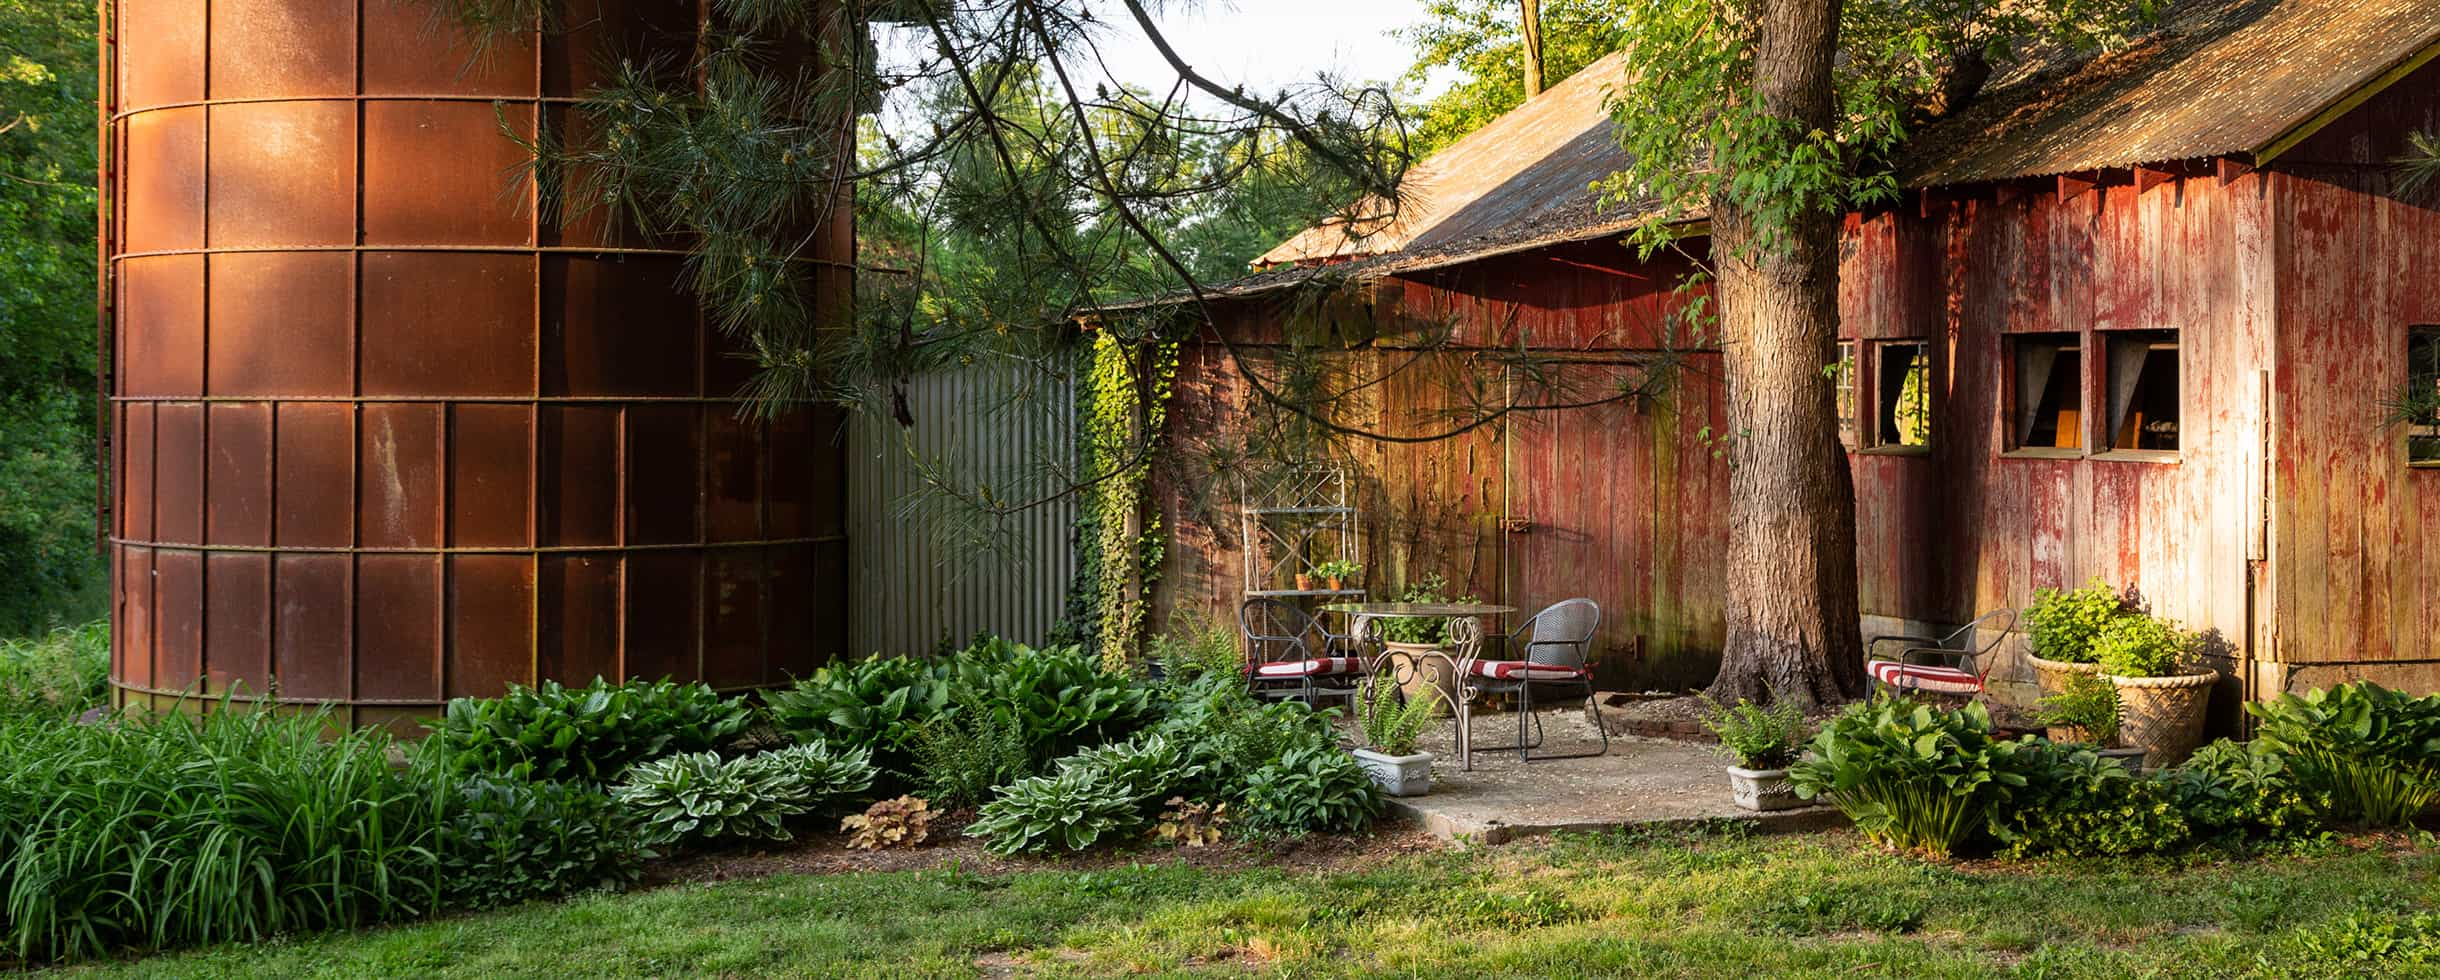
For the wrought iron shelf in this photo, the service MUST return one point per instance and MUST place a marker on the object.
(1300, 510)
(1298, 592)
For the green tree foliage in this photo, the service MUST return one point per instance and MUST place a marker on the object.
(48, 572)
(1480, 41)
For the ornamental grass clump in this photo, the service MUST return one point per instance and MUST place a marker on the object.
(587, 734)
(1912, 777)
(1755, 737)
(58, 674)
(2374, 752)
(235, 824)
(698, 798)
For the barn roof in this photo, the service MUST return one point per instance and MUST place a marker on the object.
(2214, 77)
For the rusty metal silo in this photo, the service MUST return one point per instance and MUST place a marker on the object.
(383, 434)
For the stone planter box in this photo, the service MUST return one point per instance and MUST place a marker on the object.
(1398, 775)
(1762, 790)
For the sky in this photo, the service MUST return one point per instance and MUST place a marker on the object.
(1263, 44)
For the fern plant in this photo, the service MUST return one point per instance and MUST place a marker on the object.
(1392, 725)
(1756, 737)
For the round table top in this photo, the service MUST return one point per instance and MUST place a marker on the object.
(1427, 610)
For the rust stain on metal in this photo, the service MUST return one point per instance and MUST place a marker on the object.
(383, 432)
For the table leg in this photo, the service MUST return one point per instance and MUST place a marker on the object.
(1466, 636)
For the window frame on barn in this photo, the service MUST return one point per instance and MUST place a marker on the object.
(2422, 374)
(2138, 351)
(2023, 408)
(1845, 381)
(1876, 404)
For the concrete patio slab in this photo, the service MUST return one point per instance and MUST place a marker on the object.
(1641, 782)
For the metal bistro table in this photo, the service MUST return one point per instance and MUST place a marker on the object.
(1465, 635)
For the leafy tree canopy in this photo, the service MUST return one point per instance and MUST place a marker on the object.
(1480, 42)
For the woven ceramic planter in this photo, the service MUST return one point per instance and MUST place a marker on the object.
(2164, 715)
(2051, 675)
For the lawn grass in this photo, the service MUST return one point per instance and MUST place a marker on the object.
(1683, 904)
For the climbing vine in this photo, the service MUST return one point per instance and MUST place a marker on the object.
(1122, 399)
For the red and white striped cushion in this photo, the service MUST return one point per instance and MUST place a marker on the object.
(1522, 670)
(1309, 668)
(1924, 677)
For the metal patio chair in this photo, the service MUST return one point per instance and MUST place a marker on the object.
(1951, 666)
(1290, 655)
(1556, 647)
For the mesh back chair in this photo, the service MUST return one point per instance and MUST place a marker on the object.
(1290, 655)
(1949, 667)
(1554, 648)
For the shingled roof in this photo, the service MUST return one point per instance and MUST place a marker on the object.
(2214, 77)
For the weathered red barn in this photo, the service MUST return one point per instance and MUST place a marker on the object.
(2137, 317)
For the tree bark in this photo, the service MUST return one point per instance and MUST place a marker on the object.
(1529, 22)
(1793, 633)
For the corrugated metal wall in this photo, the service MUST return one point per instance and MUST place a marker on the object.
(927, 566)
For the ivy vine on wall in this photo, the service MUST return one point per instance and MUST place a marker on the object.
(1122, 400)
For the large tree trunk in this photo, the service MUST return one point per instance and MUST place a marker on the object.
(1792, 620)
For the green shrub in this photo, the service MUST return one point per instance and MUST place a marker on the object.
(2138, 645)
(178, 830)
(1310, 789)
(1755, 737)
(1390, 725)
(63, 672)
(585, 734)
(2061, 625)
(1432, 630)
(961, 757)
(1909, 775)
(2087, 703)
(2074, 802)
(505, 841)
(876, 704)
(1231, 735)
(1059, 698)
(696, 798)
(1071, 810)
(2374, 752)
(2233, 792)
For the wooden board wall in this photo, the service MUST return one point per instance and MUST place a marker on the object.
(2358, 530)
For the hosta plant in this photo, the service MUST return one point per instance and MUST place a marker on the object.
(877, 704)
(901, 822)
(1191, 823)
(585, 734)
(1071, 810)
(1911, 776)
(2233, 792)
(1057, 698)
(698, 798)
(505, 841)
(2374, 752)
(2075, 802)
(1148, 766)
(1310, 789)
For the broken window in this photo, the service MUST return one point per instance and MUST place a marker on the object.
(2141, 382)
(1902, 393)
(2419, 407)
(2049, 386)
(1843, 377)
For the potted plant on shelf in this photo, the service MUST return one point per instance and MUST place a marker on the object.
(1391, 725)
(2061, 627)
(2086, 710)
(1337, 572)
(1760, 743)
(2161, 701)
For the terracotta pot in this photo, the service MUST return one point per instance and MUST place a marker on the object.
(2164, 715)
(1421, 676)
(1334, 585)
(2051, 675)
(2066, 735)
(1304, 583)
